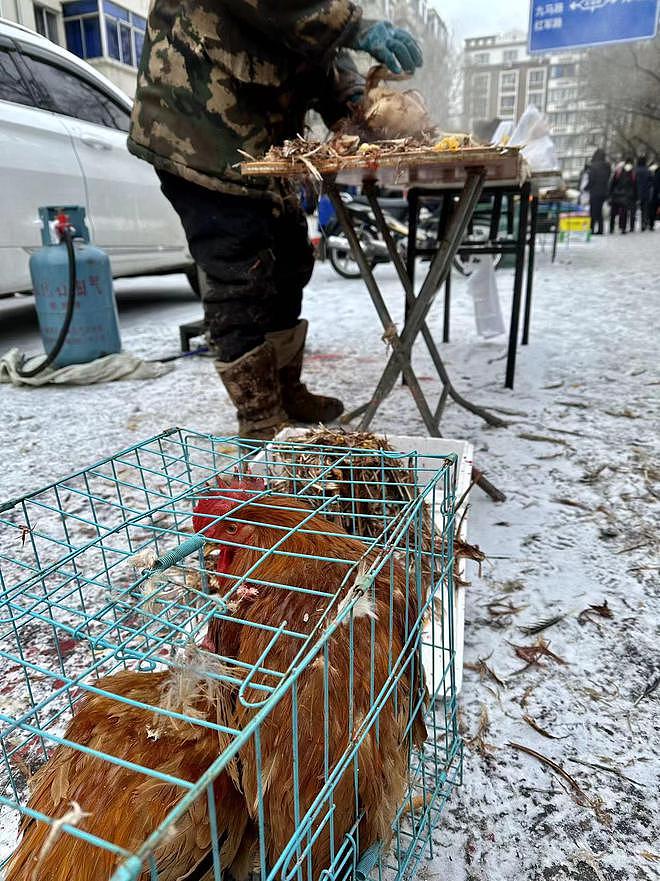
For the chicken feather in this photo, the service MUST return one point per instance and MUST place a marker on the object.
(124, 806)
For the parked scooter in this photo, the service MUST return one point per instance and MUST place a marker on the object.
(335, 247)
(335, 243)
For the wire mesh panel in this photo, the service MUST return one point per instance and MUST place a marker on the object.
(212, 664)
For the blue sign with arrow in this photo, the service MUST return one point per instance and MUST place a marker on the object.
(572, 24)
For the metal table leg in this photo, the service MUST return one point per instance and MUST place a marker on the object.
(400, 351)
(411, 301)
(448, 389)
(495, 218)
(447, 310)
(530, 270)
(517, 285)
(555, 238)
(411, 255)
(436, 275)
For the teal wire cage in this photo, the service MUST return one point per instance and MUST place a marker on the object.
(222, 659)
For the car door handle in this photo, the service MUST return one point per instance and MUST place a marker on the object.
(95, 143)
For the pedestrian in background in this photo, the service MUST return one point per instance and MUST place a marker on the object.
(623, 196)
(644, 188)
(598, 186)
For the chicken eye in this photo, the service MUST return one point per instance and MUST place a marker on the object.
(232, 528)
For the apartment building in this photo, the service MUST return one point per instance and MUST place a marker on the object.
(500, 79)
(107, 34)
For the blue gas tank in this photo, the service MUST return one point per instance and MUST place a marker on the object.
(94, 330)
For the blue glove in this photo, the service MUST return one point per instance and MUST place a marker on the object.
(392, 46)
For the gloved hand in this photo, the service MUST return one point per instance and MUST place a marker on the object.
(392, 46)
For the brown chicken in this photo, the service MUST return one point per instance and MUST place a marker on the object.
(125, 806)
(319, 558)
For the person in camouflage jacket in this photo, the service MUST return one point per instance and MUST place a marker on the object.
(222, 76)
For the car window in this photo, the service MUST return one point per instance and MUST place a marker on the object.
(12, 85)
(65, 92)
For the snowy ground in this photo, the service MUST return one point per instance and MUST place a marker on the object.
(577, 529)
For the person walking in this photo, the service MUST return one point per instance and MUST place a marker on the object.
(644, 191)
(623, 196)
(217, 80)
(598, 186)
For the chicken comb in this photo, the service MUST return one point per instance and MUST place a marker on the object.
(227, 494)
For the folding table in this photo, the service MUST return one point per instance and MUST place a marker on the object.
(468, 170)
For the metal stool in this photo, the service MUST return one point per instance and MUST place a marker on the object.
(189, 331)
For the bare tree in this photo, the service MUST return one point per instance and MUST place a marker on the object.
(625, 80)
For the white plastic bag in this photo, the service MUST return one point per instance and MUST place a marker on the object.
(503, 132)
(533, 135)
(487, 309)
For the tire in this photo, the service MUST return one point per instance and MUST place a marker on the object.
(342, 260)
(343, 264)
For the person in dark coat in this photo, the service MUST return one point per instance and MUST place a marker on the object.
(623, 196)
(598, 186)
(644, 185)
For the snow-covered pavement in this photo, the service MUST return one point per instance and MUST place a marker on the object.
(578, 462)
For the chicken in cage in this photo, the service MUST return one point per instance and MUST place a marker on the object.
(212, 660)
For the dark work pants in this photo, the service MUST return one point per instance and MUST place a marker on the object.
(622, 211)
(596, 207)
(257, 259)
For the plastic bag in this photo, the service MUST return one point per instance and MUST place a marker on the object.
(533, 135)
(487, 310)
(503, 132)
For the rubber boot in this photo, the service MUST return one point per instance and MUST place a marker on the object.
(253, 384)
(299, 404)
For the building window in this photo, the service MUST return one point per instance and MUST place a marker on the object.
(563, 120)
(508, 94)
(480, 96)
(563, 96)
(536, 87)
(510, 55)
(482, 58)
(557, 71)
(45, 22)
(122, 36)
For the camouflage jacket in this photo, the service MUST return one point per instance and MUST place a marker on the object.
(219, 76)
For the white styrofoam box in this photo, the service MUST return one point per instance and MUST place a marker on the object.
(427, 448)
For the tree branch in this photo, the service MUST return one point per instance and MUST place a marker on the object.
(640, 67)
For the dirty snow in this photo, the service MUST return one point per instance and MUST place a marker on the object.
(579, 528)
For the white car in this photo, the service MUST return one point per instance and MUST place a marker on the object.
(63, 142)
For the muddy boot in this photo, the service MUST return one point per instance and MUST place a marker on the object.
(299, 404)
(253, 385)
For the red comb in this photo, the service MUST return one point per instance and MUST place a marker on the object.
(229, 493)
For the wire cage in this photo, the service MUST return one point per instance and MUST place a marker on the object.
(211, 660)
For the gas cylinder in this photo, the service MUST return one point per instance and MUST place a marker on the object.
(94, 329)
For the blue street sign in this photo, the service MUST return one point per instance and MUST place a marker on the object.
(570, 24)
